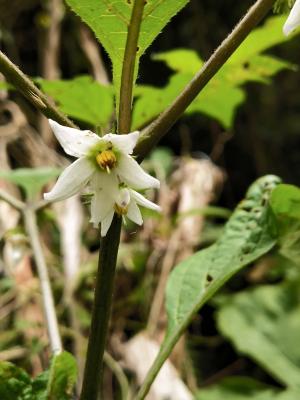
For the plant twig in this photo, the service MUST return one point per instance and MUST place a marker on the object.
(11, 200)
(129, 67)
(119, 374)
(93, 372)
(48, 301)
(25, 85)
(158, 128)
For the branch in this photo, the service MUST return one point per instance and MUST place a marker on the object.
(129, 67)
(11, 200)
(25, 85)
(48, 301)
(158, 128)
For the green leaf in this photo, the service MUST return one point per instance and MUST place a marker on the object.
(13, 381)
(237, 388)
(243, 388)
(109, 20)
(248, 234)
(261, 39)
(223, 95)
(82, 98)
(62, 377)
(285, 203)
(264, 324)
(31, 180)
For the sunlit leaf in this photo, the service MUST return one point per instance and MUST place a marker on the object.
(109, 20)
(264, 324)
(31, 180)
(82, 98)
(223, 95)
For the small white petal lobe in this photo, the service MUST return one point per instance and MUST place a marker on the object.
(293, 20)
(134, 213)
(106, 222)
(133, 174)
(125, 143)
(142, 201)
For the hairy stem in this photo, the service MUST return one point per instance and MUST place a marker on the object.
(48, 301)
(93, 372)
(158, 128)
(25, 85)
(129, 67)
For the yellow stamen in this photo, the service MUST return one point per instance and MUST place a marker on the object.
(106, 160)
(120, 210)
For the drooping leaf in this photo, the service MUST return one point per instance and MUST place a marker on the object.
(243, 388)
(31, 180)
(285, 203)
(82, 98)
(109, 20)
(264, 324)
(222, 96)
(248, 234)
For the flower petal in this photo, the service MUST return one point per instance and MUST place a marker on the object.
(105, 182)
(133, 174)
(75, 142)
(134, 213)
(293, 20)
(71, 181)
(106, 222)
(126, 143)
(142, 201)
(101, 205)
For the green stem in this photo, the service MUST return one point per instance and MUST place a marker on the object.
(93, 372)
(129, 67)
(25, 85)
(158, 128)
(48, 301)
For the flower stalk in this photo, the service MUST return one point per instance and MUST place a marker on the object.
(109, 245)
(93, 372)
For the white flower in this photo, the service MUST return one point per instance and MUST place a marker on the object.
(105, 163)
(293, 20)
(110, 197)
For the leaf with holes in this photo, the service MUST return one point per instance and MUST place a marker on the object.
(109, 20)
(249, 233)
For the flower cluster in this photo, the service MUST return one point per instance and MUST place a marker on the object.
(106, 164)
(293, 20)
